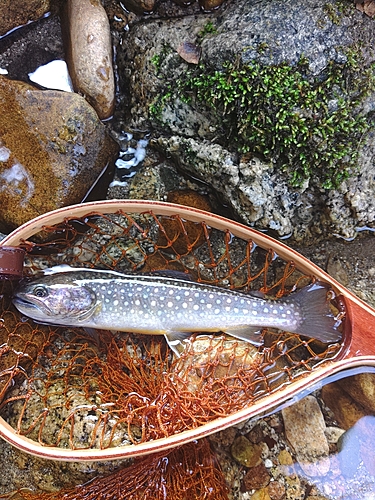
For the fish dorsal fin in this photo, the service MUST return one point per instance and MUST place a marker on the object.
(170, 273)
(60, 268)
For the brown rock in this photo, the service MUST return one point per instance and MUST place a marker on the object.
(17, 12)
(347, 411)
(53, 148)
(256, 478)
(208, 5)
(304, 428)
(361, 388)
(246, 453)
(87, 39)
(139, 6)
(276, 490)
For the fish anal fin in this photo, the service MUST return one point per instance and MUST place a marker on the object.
(175, 340)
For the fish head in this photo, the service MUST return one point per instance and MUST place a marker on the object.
(55, 299)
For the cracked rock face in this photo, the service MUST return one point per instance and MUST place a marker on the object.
(271, 33)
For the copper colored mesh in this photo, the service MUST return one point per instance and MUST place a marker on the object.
(65, 387)
(187, 472)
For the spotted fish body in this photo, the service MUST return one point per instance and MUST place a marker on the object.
(155, 304)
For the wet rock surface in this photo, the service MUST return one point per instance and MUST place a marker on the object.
(269, 33)
(15, 13)
(53, 149)
(89, 53)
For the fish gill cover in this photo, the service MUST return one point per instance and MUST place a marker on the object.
(64, 387)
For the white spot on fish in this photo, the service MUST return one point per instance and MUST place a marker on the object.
(153, 303)
(170, 304)
(254, 312)
(184, 305)
(217, 311)
(137, 302)
(266, 310)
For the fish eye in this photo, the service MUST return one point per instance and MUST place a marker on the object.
(40, 291)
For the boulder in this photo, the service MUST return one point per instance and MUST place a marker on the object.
(53, 149)
(287, 47)
(15, 13)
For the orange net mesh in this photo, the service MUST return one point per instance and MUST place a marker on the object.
(64, 387)
(187, 472)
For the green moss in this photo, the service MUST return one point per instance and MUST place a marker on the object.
(307, 126)
(208, 28)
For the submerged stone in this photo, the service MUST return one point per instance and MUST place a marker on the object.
(53, 149)
(89, 53)
(305, 431)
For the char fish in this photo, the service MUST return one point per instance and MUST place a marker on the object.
(157, 304)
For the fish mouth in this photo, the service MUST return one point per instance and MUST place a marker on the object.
(25, 306)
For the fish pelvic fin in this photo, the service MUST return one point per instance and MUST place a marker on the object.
(250, 334)
(318, 321)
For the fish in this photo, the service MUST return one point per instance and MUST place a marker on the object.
(170, 304)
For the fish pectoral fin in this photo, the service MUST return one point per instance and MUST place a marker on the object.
(250, 334)
(175, 339)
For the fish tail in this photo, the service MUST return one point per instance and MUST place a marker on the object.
(318, 320)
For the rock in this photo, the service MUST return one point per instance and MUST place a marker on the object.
(14, 13)
(305, 431)
(139, 6)
(209, 5)
(276, 490)
(246, 453)
(265, 33)
(219, 356)
(31, 46)
(89, 53)
(53, 149)
(345, 409)
(361, 388)
(261, 494)
(256, 477)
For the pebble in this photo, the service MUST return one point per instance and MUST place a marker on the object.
(15, 13)
(245, 452)
(256, 478)
(52, 151)
(89, 53)
(276, 490)
(139, 6)
(305, 430)
(208, 5)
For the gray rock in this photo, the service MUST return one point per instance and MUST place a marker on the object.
(271, 33)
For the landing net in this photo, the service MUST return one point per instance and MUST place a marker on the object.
(69, 388)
